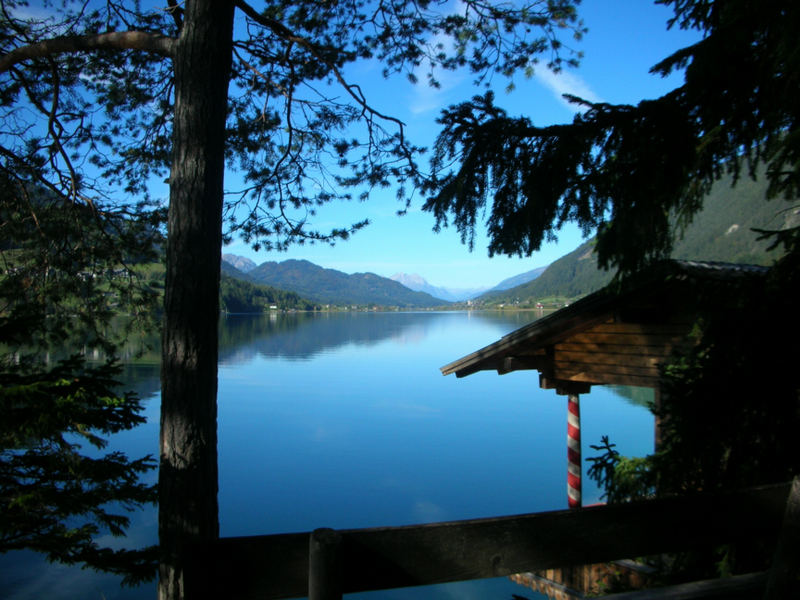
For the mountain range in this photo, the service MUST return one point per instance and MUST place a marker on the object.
(419, 284)
(242, 263)
(328, 286)
(722, 231)
(520, 279)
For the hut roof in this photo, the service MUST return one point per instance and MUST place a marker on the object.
(620, 334)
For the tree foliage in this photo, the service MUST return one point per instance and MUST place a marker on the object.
(66, 269)
(99, 101)
(89, 98)
(728, 413)
(624, 170)
(57, 497)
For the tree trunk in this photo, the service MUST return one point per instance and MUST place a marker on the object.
(188, 468)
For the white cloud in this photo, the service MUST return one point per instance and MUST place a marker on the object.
(427, 98)
(566, 83)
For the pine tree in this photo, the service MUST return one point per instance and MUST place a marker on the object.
(111, 98)
(64, 273)
(627, 171)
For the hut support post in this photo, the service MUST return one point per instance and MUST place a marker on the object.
(571, 389)
(573, 450)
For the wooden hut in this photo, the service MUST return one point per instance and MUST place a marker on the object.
(620, 335)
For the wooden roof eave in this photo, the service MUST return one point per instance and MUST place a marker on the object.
(500, 364)
(584, 313)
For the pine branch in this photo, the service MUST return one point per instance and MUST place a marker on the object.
(117, 40)
(354, 91)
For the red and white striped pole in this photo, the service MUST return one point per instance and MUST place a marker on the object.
(574, 451)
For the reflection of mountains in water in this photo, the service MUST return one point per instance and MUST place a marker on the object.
(301, 336)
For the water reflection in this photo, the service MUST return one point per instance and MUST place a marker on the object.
(637, 396)
(344, 420)
(302, 336)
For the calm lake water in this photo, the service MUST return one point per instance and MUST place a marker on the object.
(343, 420)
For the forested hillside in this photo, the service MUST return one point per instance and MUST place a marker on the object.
(573, 275)
(237, 296)
(722, 231)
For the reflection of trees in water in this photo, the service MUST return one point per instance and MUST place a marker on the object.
(142, 378)
(301, 336)
(638, 396)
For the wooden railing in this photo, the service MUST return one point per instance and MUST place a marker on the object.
(281, 566)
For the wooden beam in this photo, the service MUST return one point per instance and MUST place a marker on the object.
(324, 565)
(561, 375)
(606, 379)
(595, 379)
(563, 387)
(276, 566)
(521, 363)
(491, 364)
(662, 329)
(563, 369)
(628, 339)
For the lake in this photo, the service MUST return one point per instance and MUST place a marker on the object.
(343, 420)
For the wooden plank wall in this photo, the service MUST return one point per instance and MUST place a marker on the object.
(618, 353)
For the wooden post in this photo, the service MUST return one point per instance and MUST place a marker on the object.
(573, 451)
(324, 565)
(657, 419)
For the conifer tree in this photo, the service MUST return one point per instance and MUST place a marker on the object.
(102, 100)
(626, 172)
(64, 273)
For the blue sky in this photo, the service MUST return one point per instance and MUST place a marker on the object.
(625, 39)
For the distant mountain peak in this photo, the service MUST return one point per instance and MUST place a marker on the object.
(419, 284)
(409, 279)
(242, 263)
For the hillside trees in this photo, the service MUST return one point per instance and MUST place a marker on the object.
(102, 100)
(624, 171)
(238, 296)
